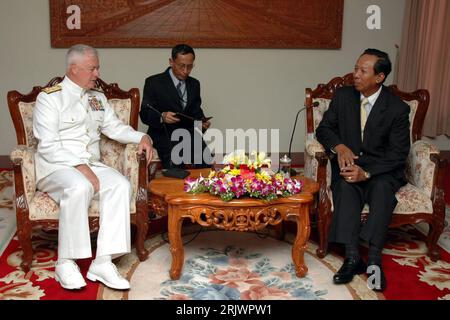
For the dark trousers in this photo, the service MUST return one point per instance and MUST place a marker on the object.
(165, 150)
(349, 199)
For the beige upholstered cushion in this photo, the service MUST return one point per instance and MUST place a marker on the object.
(412, 114)
(43, 207)
(419, 168)
(122, 109)
(411, 199)
(320, 110)
(26, 112)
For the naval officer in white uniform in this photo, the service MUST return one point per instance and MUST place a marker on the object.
(67, 122)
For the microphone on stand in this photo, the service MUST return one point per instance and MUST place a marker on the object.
(315, 104)
(172, 172)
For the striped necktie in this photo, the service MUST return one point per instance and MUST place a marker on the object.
(181, 94)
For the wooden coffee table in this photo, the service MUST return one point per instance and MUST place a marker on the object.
(167, 197)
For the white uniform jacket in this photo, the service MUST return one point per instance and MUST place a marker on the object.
(67, 124)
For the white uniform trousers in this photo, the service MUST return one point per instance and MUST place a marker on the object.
(73, 192)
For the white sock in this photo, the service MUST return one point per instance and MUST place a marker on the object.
(102, 259)
(63, 260)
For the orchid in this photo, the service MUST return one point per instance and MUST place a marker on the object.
(242, 176)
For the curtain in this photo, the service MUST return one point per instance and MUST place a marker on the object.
(424, 59)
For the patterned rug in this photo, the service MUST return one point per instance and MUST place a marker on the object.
(223, 265)
(228, 265)
(241, 266)
(7, 214)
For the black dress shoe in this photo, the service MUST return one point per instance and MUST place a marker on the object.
(348, 270)
(372, 282)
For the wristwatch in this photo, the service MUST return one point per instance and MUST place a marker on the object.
(367, 175)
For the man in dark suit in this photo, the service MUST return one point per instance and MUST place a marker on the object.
(366, 128)
(176, 97)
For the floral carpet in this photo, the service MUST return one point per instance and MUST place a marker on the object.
(7, 214)
(223, 265)
(243, 266)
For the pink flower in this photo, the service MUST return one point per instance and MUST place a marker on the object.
(189, 184)
(232, 276)
(238, 262)
(261, 292)
(178, 297)
(283, 275)
(244, 182)
(247, 174)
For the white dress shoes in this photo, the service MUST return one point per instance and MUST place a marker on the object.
(108, 274)
(69, 276)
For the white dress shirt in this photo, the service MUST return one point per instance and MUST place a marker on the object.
(372, 99)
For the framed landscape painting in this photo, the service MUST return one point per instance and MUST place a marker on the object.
(201, 23)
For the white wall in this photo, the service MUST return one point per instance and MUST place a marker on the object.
(241, 88)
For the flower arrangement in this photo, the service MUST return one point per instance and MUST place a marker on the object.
(244, 176)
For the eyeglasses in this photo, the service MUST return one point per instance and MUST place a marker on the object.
(184, 66)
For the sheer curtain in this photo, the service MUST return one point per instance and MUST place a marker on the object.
(424, 59)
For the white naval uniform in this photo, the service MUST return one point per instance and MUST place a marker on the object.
(67, 124)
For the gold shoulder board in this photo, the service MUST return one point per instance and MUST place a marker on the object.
(49, 90)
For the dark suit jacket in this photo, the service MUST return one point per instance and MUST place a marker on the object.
(386, 141)
(160, 93)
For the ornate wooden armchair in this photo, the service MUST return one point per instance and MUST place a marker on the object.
(420, 200)
(37, 208)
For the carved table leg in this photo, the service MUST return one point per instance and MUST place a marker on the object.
(301, 241)
(176, 244)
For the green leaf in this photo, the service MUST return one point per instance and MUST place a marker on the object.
(264, 266)
(253, 256)
(183, 289)
(272, 282)
(288, 268)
